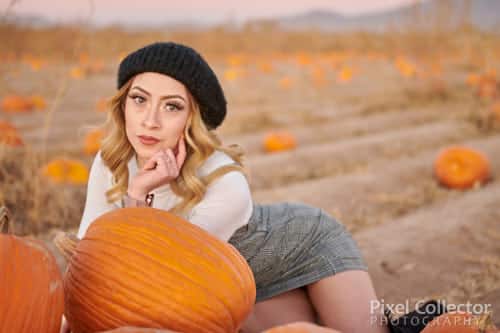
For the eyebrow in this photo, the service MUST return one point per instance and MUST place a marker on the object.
(161, 97)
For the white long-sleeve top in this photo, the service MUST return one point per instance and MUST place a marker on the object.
(226, 206)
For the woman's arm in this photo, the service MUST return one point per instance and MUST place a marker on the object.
(226, 206)
(96, 203)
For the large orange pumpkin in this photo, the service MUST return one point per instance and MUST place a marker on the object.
(129, 329)
(460, 322)
(300, 327)
(146, 267)
(31, 285)
(461, 167)
(279, 141)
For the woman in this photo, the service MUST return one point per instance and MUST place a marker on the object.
(161, 151)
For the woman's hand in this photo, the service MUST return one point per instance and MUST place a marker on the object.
(160, 169)
(64, 326)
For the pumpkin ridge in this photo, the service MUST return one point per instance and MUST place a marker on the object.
(129, 290)
(92, 309)
(214, 245)
(167, 243)
(164, 229)
(224, 303)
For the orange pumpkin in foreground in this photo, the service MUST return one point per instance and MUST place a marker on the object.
(300, 327)
(279, 141)
(146, 267)
(32, 298)
(461, 167)
(129, 329)
(460, 322)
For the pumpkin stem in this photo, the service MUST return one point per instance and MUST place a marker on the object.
(5, 221)
(66, 244)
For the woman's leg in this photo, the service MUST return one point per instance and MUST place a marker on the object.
(288, 307)
(343, 302)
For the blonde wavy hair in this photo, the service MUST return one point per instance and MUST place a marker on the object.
(116, 151)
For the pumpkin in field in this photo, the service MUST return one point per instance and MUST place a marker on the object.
(461, 167)
(286, 82)
(345, 75)
(9, 135)
(92, 142)
(488, 85)
(300, 327)
(30, 284)
(68, 171)
(77, 72)
(460, 322)
(146, 267)
(16, 103)
(102, 105)
(38, 102)
(279, 141)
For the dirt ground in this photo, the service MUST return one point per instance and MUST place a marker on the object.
(365, 155)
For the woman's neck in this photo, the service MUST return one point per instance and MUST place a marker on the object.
(140, 162)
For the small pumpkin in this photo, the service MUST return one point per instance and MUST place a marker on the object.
(488, 85)
(146, 267)
(460, 322)
(9, 135)
(300, 327)
(31, 284)
(95, 66)
(286, 82)
(345, 75)
(38, 102)
(279, 141)
(405, 67)
(77, 72)
(92, 142)
(16, 103)
(67, 171)
(102, 105)
(460, 167)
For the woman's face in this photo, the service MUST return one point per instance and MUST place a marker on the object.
(156, 111)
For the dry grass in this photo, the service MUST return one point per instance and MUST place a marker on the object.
(36, 204)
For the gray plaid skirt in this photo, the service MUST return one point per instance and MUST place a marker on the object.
(290, 245)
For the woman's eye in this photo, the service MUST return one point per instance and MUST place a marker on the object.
(173, 107)
(138, 99)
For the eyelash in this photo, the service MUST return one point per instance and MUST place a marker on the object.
(177, 106)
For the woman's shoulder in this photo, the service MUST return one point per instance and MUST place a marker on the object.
(217, 159)
(99, 168)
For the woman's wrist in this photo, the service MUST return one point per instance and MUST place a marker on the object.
(130, 199)
(136, 194)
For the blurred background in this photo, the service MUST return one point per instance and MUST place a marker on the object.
(386, 114)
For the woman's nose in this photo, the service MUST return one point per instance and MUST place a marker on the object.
(150, 118)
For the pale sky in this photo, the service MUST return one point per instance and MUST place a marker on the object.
(158, 11)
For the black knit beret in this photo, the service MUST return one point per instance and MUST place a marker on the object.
(184, 64)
